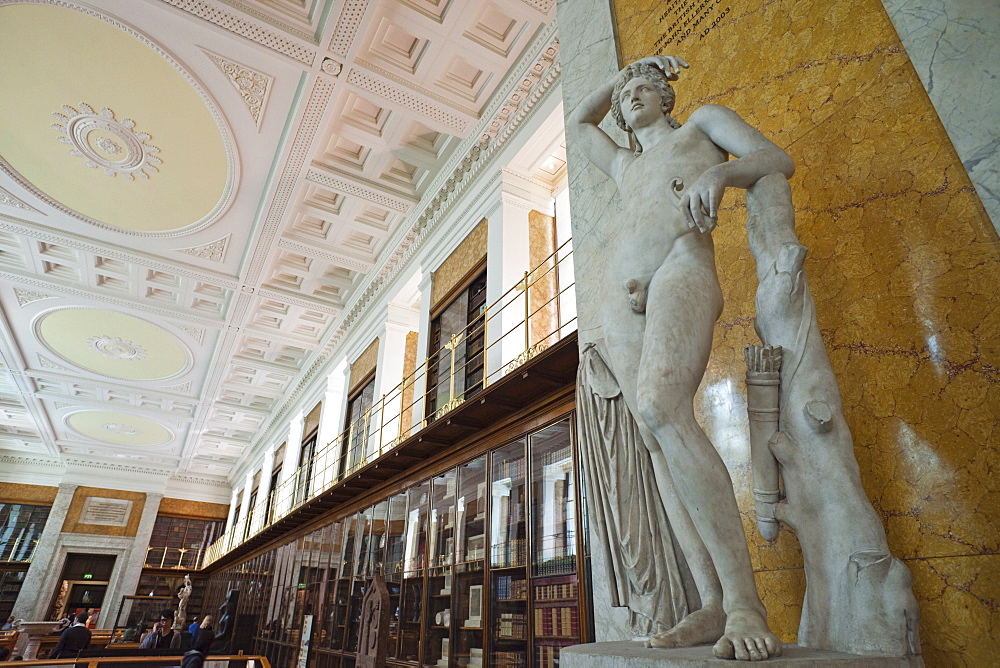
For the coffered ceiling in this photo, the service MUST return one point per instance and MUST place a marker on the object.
(198, 197)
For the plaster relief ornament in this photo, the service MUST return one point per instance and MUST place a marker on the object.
(102, 141)
(117, 428)
(659, 493)
(115, 348)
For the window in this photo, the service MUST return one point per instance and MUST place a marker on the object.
(357, 426)
(304, 474)
(20, 528)
(455, 364)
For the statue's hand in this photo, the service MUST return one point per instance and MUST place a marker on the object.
(671, 65)
(700, 203)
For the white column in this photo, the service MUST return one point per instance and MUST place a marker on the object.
(331, 423)
(423, 335)
(400, 321)
(567, 297)
(289, 468)
(135, 559)
(507, 259)
(264, 489)
(244, 517)
(32, 598)
(231, 519)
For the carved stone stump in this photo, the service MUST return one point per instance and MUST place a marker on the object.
(374, 625)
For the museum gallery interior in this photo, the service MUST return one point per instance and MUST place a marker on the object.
(319, 300)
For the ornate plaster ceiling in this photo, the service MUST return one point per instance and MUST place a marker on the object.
(197, 198)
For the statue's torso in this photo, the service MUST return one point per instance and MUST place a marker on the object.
(651, 184)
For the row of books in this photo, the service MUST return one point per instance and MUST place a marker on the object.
(555, 592)
(509, 554)
(507, 588)
(512, 625)
(559, 622)
(514, 469)
(510, 659)
(546, 656)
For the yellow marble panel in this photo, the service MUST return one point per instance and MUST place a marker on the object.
(782, 592)
(363, 365)
(959, 598)
(195, 509)
(904, 266)
(469, 254)
(72, 523)
(39, 495)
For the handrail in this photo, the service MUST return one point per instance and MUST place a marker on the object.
(526, 319)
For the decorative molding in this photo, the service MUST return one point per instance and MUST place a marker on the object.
(50, 235)
(383, 88)
(331, 67)
(327, 254)
(232, 162)
(239, 25)
(9, 200)
(347, 26)
(46, 363)
(372, 193)
(476, 157)
(25, 297)
(183, 388)
(75, 128)
(308, 124)
(117, 428)
(253, 86)
(541, 5)
(125, 304)
(113, 466)
(196, 333)
(116, 348)
(215, 251)
(26, 460)
(411, 86)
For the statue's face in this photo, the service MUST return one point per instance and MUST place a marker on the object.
(641, 103)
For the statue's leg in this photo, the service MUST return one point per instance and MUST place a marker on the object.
(624, 330)
(684, 301)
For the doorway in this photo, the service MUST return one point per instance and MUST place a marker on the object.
(82, 586)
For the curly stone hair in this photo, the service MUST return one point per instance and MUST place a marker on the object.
(658, 78)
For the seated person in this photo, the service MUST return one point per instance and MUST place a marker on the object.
(163, 635)
(72, 640)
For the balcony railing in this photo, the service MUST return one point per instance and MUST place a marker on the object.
(178, 558)
(535, 313)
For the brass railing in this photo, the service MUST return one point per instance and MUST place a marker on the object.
(536, 312)
(180, 558)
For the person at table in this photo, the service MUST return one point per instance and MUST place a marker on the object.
(163, 635)
(72, 639)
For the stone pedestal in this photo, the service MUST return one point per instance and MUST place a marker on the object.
(626, 654)
(34, 631)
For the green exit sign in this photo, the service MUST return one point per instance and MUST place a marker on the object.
(88, 576)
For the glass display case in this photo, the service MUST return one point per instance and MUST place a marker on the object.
(508, 550)
(482, 563)
(411, 606)
(440, 575)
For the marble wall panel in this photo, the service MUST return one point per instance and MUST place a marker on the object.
(39, 495)
(457, 267)
(955, 48)
(198, 509)
(73, 523)
(904, 266)
(363, 365)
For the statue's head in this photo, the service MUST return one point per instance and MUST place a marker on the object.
(657, 78)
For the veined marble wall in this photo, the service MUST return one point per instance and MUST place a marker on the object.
(904, 265)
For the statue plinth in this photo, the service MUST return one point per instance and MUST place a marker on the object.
(34, 631)
(632, 654)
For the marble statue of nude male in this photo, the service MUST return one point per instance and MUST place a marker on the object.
(663, 298)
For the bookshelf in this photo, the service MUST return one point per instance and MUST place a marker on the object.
(481, 560)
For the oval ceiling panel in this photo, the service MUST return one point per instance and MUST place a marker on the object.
(112, 344)
(118, 428)
(106, 126)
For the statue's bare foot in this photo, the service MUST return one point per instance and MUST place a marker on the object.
(747, 638)
(701, 626)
